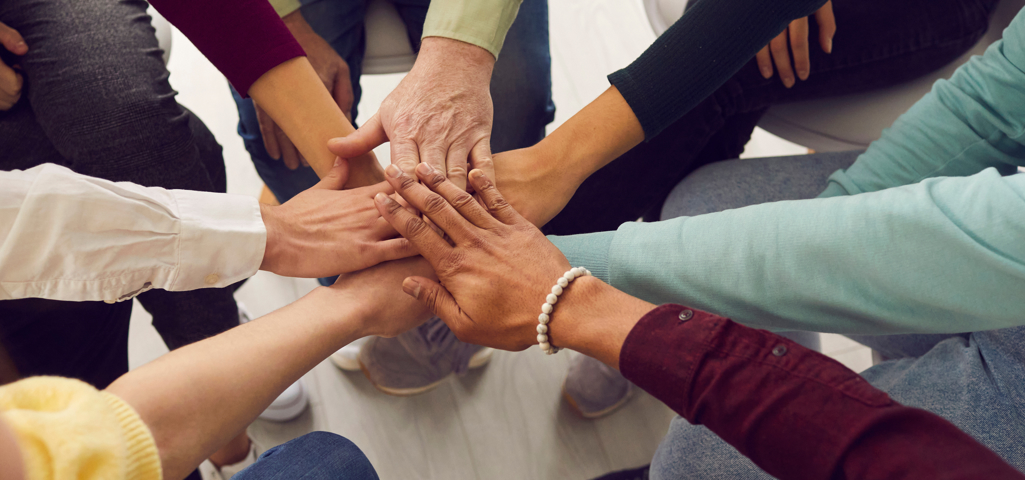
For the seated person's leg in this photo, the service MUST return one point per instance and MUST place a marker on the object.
(314, 455)
(877, 44)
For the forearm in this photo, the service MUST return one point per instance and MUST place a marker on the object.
(295, 97)
(190, 398)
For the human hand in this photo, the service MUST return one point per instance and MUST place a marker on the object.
(10, 80)
(797, 32)
(530, 184)
(326, 231)
(376, 294)
(440, 114)
(331, 69)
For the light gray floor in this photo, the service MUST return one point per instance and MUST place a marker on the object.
(503, 421)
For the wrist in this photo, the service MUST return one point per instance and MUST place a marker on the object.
(449, 57)
(274, 248)
(339, 312)
(594, 318)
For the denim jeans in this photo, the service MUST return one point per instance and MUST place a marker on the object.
(975, 380)
(521, 84)
(314, 456)
(878, 43)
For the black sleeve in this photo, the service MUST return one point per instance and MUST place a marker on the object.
(710, 43)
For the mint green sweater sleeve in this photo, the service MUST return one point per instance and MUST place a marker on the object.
(943, 254)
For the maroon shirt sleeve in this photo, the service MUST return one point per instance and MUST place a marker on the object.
(796, 413)
(242, 38)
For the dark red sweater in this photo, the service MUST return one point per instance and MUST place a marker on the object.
(242, 38)
(796, 413)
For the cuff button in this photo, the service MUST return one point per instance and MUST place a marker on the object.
(212, 278)
(780, 350)
(686, 315)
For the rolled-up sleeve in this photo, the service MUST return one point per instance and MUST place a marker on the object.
(66, 236)
(483, 23)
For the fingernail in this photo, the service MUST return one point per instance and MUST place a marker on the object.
(767, 72)
(424, 169)
(788, 82)
(829, 45)
(381, 198)
(475, 174)
(338, 161)
(393, 171)
(411, 287)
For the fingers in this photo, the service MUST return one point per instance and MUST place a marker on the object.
(394, 249)
(781, 58)
(11, 83)
(799, 47)
(827, 26)
(12, 40)
(360, 142)
(432, 205)
(493, 200)
(437, 299)
(342, 93)
(764, 60)
(456, 196)
(413, 228)
(456, 165)
(481, 158)
(433, 155)
(336, 177)
(267, 129)
(289, 154)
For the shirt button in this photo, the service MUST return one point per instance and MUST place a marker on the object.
(686, 315)
(780, 350)
(111, 302)
(212, 279)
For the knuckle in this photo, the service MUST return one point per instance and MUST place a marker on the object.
(406, 182)
(457, 169)
(434, 204)
(415, 227)
(435, 179)
(462, 200)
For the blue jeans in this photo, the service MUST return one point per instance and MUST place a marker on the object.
(314, 456)
(975, 380)
(521, 84)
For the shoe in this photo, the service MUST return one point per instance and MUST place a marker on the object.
(293, 401)
(632, 474)
(594, 389)
(347, 357)
(209, 471)
(418, 360)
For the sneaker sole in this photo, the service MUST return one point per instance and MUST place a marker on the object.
(482, 357)
(600, 413)
(345, 363)
(401, 392)
(478, 360)
(288, 412)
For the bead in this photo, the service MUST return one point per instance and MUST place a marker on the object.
(546, 308)
(542, 328)
(587, 272)
(780, 350)
(543, 318)
(569, 275)
(552, 298)
(578, 271)
(545, 346)
(563, 282)
(557, 290)
(542, 338)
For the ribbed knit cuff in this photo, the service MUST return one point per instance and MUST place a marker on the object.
(142, 459)
(590, 251)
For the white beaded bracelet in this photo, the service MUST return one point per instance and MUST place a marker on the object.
(549, 306)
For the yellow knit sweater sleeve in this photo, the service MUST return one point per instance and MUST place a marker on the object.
(68, 430)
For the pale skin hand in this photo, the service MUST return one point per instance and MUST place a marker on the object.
(325, 230)
(190, 398)
(10, 80)
(497, 269)
(797, 33)
(333, 72)
(441, 113)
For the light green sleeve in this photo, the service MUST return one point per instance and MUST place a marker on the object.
(285, 7)
(480, 22)
(943, 255)
(974, 121)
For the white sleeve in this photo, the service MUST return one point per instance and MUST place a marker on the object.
(66, 236)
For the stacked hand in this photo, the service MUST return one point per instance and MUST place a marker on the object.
(10, 80)
(776, 51)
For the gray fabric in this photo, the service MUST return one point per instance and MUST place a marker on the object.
(97, 100)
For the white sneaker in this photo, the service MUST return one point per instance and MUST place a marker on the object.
(347, 357)
(209, 471)
(293, 401)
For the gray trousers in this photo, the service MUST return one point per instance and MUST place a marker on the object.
(975, 380)
(97, 100)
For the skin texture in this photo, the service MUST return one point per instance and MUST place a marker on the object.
(441, 113)
(496, 268)
(190, 398)
(10, 454)
(10, 80)
(333, 72)
(325, 230)
(775, 53)
(294, 96)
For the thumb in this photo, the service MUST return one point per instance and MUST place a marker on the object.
(437, 299)
(12, 40)
(362, 141)
(336, 177)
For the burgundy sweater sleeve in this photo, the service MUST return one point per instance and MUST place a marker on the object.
(796, 413)
(242, 38)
